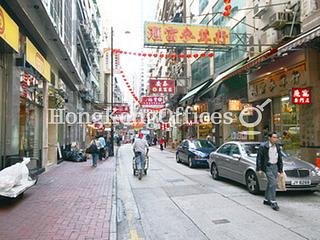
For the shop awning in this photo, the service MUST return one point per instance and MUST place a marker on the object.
(222, 76)
(300, 40)
(194, 91)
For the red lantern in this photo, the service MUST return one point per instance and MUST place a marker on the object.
(149, 54)
(130, 53)
(174, 55)
(227, 1)
(203, 55)
(120, 52)
(121, 71)
(144, 54)
(227, 8)
(161, 55)
(211, 55)
(168, 55)
(196, 55)
(188, 55)
(123, 76)
(226, 14)
(155, 55)
(181, 55)
(125, 52)
(139, 54)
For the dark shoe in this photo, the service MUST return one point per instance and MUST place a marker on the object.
(266, 202)
(275, 206)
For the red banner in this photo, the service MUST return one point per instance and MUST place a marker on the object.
(121, 109)
(152, 102)
(162, 86)
(301, 95)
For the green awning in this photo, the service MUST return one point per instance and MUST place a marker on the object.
(222, 76)
(194, 91)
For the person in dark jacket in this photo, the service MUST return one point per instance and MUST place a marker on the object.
(269, 161)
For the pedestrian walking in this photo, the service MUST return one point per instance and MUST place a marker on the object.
(269, 161)
(102, 146)
(161, 142)
(94, 151)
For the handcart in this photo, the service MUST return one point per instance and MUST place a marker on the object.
(144, 168)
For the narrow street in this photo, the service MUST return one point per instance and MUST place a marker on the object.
(176, 202)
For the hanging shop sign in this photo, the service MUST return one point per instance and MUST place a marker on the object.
(156, 33)
(301, 95)
(37, 61)
(9, 30)
(152, 102)
(162, 86)
(121, 109)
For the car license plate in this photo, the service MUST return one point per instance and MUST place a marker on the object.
(301, 182)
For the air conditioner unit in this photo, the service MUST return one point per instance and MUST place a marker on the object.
(260, 8)
(279, 20)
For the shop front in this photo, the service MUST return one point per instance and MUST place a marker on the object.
(30, 119)
(275, 81)
(9, 47)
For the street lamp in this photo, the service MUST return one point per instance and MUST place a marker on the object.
(111, 152)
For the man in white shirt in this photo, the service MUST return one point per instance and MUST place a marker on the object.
(140, 149)
(269, 161)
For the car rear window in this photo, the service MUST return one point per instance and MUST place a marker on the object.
(201, 144)
(251, 149)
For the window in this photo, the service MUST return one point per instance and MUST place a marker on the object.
(225, 149)
(251, 149)
(185, 144)
(234, 149)
(202, 5)
(238, 36)
(201, 144)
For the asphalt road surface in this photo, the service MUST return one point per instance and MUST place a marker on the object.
(175, 202)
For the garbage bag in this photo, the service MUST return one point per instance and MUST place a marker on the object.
(14, 175)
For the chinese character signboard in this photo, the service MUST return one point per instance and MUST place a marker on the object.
(162, 86)
(301, 95)
(183, 34)
(152, 102)
(121, 109)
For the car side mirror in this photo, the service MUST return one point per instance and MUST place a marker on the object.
(236, 156)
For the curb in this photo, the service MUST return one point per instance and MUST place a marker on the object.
(113, 219)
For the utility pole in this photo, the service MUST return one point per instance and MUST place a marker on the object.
(111, 152)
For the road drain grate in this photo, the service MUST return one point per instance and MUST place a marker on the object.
(175, 180)
(221, 221)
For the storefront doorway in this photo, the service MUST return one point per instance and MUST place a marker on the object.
(30, 132)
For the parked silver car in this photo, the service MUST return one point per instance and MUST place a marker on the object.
(237, 161)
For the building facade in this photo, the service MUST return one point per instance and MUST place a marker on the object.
(55, 66)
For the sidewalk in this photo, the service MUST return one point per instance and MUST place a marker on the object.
(71, 201)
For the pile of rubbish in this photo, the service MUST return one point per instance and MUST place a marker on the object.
(14, 180)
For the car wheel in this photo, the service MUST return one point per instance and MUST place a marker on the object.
(178, 158)
(252, 183)
(190, 162)
(214, 172)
